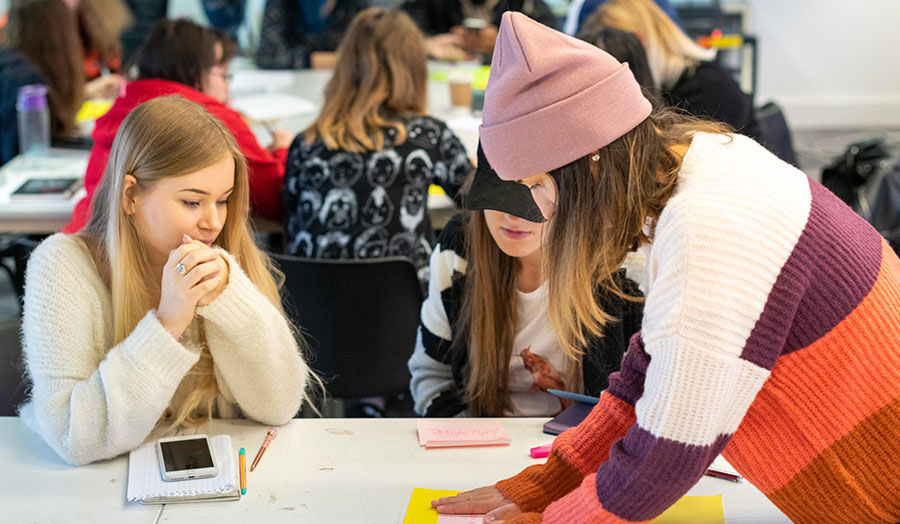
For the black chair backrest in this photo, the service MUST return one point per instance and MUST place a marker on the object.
(359, 317)
(13, 382)
(774, 133)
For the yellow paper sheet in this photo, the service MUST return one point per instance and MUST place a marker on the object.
(92, 110)
(479, 76)
(688, 510)
(694, 510)
(419, 510)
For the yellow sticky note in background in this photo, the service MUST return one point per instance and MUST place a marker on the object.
(92, 110)
(419, 510)
(694, 510)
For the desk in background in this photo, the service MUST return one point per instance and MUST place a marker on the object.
(309, 84)
(45, 216)
(37, 214)
(329, 471)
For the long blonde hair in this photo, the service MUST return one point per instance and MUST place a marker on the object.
(607, 208)
(169, 137)
(103, 22)
(380, 77)
(602, 208)
(669, 51)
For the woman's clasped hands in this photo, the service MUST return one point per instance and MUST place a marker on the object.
(194, 275)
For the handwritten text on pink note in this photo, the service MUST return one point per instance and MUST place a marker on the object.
(434, 433)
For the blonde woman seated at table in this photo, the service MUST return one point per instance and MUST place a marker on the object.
(161, 312)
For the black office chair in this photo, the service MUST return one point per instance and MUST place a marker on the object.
(13, 382)
(17, 249)
(774, 133)
(359, 318)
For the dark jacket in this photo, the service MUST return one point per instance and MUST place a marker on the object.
(710, 91)
(285, 42)
(15, 72)
(438, 16)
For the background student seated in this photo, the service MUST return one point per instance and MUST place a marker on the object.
(357, 179)
(444, 23)
(161, 311)
(57, 56)
(182, 58)
(685, 73)
(292, 30)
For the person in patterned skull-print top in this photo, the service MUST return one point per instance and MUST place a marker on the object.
(345, 198)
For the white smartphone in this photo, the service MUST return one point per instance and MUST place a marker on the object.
(186, 457)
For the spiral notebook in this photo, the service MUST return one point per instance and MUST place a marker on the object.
(146, 484)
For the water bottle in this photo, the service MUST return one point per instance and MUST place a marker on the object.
(34, 120)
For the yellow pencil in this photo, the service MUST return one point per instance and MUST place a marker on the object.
(243, 472)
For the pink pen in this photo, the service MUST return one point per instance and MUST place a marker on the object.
(262, 449)
(724, 475)
(541, 451)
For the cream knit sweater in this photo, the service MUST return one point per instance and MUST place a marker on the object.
(92, 400)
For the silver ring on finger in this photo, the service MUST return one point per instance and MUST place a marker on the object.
(180, 268)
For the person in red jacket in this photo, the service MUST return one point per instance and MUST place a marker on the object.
(182, 58)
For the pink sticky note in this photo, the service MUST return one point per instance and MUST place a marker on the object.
(445, 433)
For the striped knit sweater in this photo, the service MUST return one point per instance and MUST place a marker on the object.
(771, 333)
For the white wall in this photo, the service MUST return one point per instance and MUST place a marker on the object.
(830, 63)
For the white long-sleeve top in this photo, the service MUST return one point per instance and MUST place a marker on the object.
(93, 400)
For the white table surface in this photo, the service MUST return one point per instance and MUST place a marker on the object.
(39, 214)
(37, 486)
(50, 215)
(315, 471)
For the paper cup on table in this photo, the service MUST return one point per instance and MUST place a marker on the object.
(460, 88)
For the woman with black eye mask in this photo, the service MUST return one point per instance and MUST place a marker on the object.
(487, 342)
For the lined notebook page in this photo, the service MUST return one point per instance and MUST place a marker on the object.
(145, 480)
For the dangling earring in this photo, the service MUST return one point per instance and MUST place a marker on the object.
(595, 157)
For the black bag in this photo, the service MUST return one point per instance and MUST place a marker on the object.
(867, 178)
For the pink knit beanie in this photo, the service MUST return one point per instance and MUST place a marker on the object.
(552, 99)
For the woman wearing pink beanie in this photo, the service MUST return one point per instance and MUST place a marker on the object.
(771, 329)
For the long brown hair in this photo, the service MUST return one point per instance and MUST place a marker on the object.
(487, 319)
(169, 137)
(103, 22)
(380, 76)
(44, 31)
(602, 208)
